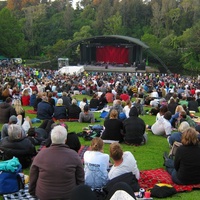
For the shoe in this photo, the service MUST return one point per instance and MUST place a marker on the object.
(165, 157)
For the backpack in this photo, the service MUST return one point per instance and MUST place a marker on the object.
(11, 180)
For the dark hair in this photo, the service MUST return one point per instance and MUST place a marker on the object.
(86, 108)
(168, 115)
(8, 100)
(163, 109)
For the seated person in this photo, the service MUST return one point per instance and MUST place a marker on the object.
(44, 109)
(6, 110)
(16, 120)
(176, 137)
(102, 101)
(139, 106)
(113, 127)
(184, 117)
(86, 115)
(162, 126)
(94, 102)
(175, 117)
(162, 110)
(4, 130)
(124, 162)
(18, 146)
(37, 100)
(127, 108)
(134, 128)
(117, 105)
(193, 105)
(57, 170)
(96, 165)
(83, 103)
(73, 110)
(60, 111)
(184, 169)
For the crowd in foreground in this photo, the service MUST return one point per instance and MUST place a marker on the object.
(173, 100)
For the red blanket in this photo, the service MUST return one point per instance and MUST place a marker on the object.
(31, 111)
(148, 178)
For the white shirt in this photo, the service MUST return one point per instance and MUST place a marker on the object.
(96, 166)
(126, 110)
(162, 127)
(82, 104)
(129, 164)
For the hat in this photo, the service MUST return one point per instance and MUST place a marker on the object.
(13, 119)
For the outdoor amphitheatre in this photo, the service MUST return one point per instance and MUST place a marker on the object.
(122, 64)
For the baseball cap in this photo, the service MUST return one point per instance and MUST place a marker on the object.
(13, 119)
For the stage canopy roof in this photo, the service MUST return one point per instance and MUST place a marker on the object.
(111, 39)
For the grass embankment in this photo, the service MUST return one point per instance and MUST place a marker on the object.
(149, 156)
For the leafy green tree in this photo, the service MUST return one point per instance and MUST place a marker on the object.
(113, 25)
(11, 37)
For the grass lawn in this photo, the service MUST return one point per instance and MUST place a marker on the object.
(149, 156)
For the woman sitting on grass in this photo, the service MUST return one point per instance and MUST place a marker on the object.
(113, 127)
(184, 169)
(96, 165)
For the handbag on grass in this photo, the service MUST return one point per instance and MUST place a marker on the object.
(11, 178)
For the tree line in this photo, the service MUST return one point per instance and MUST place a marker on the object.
(44, 28)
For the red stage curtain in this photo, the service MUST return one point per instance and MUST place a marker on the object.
(112, 54)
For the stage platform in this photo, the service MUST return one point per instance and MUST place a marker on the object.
(92, 68)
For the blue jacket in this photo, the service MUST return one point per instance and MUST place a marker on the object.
(45, 110)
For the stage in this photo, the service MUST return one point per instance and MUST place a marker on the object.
(122, 69)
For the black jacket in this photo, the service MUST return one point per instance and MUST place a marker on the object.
(21, 148)
(6, 110)
(134, 128)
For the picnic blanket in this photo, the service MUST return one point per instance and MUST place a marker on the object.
(31, 111)
(24, 194)
(21, 194)
(148, 178)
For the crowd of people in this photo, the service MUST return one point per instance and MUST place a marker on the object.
(172, 99)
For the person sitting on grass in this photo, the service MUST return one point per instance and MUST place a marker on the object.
(134, 129)
(60, 111)
(113, 127)
(73, 111)
(184, 169)
(15, 144)
(56, 170)
(162, 126)
(124, 162)
(96, 165)
(176, 137)
(86, 116)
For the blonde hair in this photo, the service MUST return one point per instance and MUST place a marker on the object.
(183, 126)
(179, 109)
(189, 137)
(96, 144)
(18, 106)
(113, 114)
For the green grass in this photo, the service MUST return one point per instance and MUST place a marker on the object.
(149, 156)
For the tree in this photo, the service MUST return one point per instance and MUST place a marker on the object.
(113, 25)
(12, 39)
